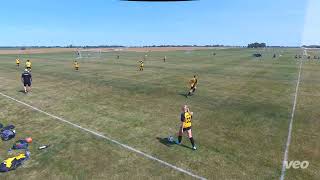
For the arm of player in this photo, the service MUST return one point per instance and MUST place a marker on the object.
(181, 128)
(182, 123)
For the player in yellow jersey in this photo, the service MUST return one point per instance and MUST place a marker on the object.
(28, 65)
(193, 85)
(141, 66)
(18, 62)
(76, 65)
(186, 117)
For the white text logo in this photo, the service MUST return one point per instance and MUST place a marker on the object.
(296, 164)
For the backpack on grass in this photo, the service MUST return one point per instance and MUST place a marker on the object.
(7, 133)
(14, 162)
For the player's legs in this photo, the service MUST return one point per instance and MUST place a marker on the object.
(180, 133)
(190, 91)
(191, 139)
(194, 89)
(25, 87)
(29, 87)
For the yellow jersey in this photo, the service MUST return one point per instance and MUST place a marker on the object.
(193, 82)
(76, 64)
(187, 120)
(8, 162)
(17, 61)
(141, 64)
(28, 64)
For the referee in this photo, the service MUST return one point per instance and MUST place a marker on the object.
(26, 79)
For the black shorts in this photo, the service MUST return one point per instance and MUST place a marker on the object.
(192, 87)
(26, 83)
(186, 129)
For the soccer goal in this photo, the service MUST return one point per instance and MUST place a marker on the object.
(305, 53)
(88, 53)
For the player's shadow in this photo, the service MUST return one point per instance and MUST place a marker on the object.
(170, 144)
(182, 94)
(165, 141)
(21, 91)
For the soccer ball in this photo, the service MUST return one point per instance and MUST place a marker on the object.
(170, 139)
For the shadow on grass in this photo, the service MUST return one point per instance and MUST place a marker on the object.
(183, 94)
(165, 141)
(170, 144)
(21, 91)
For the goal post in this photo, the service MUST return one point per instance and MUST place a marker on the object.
(87, 53)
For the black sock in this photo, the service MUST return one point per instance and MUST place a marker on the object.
(192, 141)
(179, 139)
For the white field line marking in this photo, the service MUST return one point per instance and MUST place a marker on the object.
(286, 152)
(108, 138)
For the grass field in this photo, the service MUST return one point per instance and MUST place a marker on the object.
(242, 111)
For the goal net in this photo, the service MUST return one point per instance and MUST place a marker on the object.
(88, 53)
(305, 53)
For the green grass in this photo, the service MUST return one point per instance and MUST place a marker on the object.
(242, 109)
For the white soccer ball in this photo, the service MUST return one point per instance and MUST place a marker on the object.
(170, 139)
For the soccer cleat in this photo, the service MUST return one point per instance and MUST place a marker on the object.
(194, 148)
(177, 142)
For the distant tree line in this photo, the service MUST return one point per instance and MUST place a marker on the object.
(208, 45)
(252, 45)
(99, 46)
(257, 45)
(69, 46)
(311, 46)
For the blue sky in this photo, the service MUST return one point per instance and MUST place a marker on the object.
(112, 22)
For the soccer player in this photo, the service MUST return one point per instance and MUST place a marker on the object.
(193, 85)
(76, 65)
(141, 65)
(186, 117)
(28, 65)
(18, 62)
(26, 79)
(165, 58)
